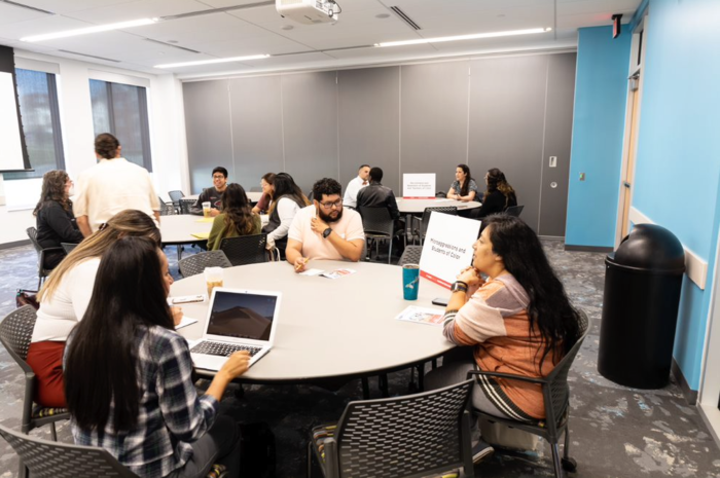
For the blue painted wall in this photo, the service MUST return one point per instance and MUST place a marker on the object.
(677, 173)
(598, 126)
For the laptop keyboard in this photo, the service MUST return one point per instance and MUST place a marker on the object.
(221, 349)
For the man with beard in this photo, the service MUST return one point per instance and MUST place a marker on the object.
(323, 230)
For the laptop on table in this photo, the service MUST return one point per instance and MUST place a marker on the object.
(237, 320)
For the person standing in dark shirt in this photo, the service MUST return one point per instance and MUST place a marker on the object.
(377, 195)
(55, 219)
(214, 194)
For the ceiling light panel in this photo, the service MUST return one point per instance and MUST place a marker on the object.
(472, 36)
(214, 61)
(138, 9)
(89, 30)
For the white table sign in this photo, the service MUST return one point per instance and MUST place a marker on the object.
(448, 247)
(416, 186)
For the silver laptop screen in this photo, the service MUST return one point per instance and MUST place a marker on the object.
(242, 315)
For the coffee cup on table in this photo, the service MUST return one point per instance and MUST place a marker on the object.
(213, 278)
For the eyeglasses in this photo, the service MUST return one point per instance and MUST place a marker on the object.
(329, 205)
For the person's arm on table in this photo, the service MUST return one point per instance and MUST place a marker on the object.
(293, 254)
(470, 197)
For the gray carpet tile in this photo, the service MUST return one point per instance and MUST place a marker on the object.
(616, 431)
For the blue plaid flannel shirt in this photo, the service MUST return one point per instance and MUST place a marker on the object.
(172, 415)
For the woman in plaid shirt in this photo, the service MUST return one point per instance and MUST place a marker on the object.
(128, 375)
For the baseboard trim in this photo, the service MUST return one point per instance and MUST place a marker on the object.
(9, 245)
(569, 247)
(691, 396)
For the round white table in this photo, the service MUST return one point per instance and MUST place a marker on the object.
(330, 328)
(252, 196)
(417, 206)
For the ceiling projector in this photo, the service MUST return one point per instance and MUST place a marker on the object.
(309, 12)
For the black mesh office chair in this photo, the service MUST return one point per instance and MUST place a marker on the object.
(165, 208)
(378, 225)
(556, 395)
(48, 459)
(16, 331)
(411, 255)
(68, 247)
(43, 271)
(186, 205)
(196, 264)
(411, 436)
(245, 249)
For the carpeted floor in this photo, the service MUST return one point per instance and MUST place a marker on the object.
(615, 431)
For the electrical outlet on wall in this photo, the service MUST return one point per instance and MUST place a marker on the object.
(582, 176)
(553, 161)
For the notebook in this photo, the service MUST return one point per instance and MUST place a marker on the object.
(237, 320)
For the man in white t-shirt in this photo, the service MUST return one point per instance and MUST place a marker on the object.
(354, 186)
(323, 230)
(112, 185)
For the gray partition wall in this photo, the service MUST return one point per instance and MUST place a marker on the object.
(512, 113)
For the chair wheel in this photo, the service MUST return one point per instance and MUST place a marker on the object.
(569, 464)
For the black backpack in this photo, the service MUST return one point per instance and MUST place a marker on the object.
(257, 450)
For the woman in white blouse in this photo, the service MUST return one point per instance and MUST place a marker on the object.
(65, 296)
(288, 199)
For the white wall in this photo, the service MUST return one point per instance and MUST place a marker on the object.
(167, 132)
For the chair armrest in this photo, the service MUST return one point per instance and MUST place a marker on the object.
(509, 376)
(51, 249)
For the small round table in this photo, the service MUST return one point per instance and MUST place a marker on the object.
(328, 328)
(417, 206)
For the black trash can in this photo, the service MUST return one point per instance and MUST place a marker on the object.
(643, 278)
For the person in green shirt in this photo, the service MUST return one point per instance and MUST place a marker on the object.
(237, 219)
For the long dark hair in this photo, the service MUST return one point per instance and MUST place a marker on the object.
(284, 185)
(101, 362)
(466, 184)
(496, 182)
(53, 189)
(549, 310)
(238, 213)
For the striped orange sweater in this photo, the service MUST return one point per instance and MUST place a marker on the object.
(495, 321)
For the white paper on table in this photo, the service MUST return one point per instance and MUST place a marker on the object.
(185, 322)
(421, 315)
(448, 247)
(312, 272)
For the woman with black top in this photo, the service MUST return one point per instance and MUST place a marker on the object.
(55, 219)
(288, 199)
(498, 197)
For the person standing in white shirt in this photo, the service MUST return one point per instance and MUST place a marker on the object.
(111, 186)
(354, 186)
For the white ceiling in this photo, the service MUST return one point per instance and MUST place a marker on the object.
(259, 30)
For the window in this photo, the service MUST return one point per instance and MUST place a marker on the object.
(37, 92)
(122, 111)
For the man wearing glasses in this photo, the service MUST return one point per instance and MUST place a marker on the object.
(323, 230)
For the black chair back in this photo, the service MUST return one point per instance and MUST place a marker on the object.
(176, 196)
(32, 234)
(196, 264)
(452, 210)
(411, 255)
(47, 459)
(414, 435)
(245, 249)
(186, 205)
(441, 194)
(514, 210)
(68, 247)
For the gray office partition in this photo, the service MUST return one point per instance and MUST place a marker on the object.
(507, 105)
(433, 119)
(208, 126)
(558, 137)
(257, 134)
(310, 126)
(368, 122)
(512, 113)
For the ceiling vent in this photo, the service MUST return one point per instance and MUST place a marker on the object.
(90, 56)
(404, 17)
(172, 46)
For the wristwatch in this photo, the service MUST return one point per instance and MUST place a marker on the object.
(326, 233)
(459, 286)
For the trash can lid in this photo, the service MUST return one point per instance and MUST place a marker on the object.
(649, 246)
